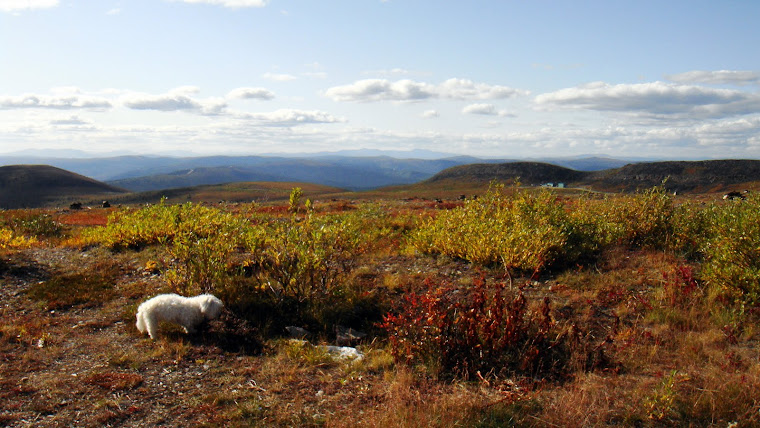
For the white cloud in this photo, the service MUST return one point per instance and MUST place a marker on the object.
(61, 102)
(720, 77)
(165, 102)
(430, 114)
(370, 90)
(178, 99)
(463, 89)
(655, 98)
(17, 5)
(292, 117)
(251, 93)
(485, 109)
(73, 120)
(279, 77)
(280, 131)
(230, 3)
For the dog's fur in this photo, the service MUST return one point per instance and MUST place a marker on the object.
(189, 312)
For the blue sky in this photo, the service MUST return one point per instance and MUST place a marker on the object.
(517, 79)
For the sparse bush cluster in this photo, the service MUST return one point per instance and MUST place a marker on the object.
(532, 231)
(523, 230)
(484, 330)
(643, 219)
(298, 262)
(10, 240)
(592, 309)
(307, 257)
(163, 223)
(730, 249)
(35, 224)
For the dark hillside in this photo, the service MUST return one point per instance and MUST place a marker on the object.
(528, 173)
(30, 186)
(682, 176)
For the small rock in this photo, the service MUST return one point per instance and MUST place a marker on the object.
(347, 335)
(344, 352)
(297, 332)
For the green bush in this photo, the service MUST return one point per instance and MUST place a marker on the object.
(161, 223)
(526, 230)
(731, 251)
(643, 219)
(308, 259)
(532, 230)
(40, 225)
(200, 240)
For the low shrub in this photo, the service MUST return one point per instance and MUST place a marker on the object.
(485, 329)
(11, 240)
(731, 251)
(36, 224)
(523, 230)
(643, 219)
(162, 223)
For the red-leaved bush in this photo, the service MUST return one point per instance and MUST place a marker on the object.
(485, 329)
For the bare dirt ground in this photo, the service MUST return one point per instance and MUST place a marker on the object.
(85, 364)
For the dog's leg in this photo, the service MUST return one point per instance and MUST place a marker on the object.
(140, 322)
(152, 327)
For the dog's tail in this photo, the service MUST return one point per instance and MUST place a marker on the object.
(141, 322)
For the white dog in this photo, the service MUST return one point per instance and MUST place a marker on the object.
(189, 312)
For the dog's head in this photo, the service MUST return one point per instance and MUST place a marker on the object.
(211, 306)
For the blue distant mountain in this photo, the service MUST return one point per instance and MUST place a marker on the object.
(352, 170)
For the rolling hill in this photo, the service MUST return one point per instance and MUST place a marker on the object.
(28, 186)
(528, 173)
(678, 176)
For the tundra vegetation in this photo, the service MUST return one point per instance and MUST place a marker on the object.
(522, 307)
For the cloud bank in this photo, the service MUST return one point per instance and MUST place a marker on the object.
(721, 77)
(292, 117)
(58, 102)
(662, 118)
(251, 93)
(657, 98)
(374, 90)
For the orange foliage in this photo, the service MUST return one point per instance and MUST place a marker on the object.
(97, 217)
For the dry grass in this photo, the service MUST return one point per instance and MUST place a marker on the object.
(71, 356)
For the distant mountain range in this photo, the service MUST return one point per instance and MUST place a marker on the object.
(29, 186)
(353, 170)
